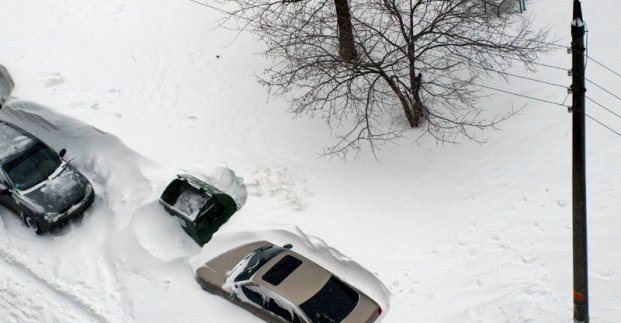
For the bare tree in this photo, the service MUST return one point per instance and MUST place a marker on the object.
(415, 58)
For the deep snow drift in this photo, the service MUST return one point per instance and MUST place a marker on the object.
(465, 233)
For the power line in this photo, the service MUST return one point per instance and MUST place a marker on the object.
(601, 105)
(532, 79)
(566, 97)
(550, 66)
(544, 101)
(559, 104)
(603, 125)
(506, 73)
(503, 91)
(544, 82)
(603, 89)
(535, 41)
(604, 66)
(521, 95)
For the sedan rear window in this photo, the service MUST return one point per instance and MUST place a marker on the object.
(332, 303)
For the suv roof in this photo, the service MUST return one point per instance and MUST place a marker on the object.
(13, 140)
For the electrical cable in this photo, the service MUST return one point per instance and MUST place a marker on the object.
(603, 89)
(544, 82)
(506, 73)
(535, 41)
(603, 125)
(604, 66)
(602, 106)
(503, 91)
(544, 101)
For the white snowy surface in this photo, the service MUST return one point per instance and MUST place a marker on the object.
(456, 233)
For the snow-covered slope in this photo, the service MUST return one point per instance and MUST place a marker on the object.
(138, 90)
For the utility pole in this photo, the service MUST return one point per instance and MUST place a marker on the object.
(581, 288)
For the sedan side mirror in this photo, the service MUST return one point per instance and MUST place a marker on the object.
(62, 152)
(5, 191)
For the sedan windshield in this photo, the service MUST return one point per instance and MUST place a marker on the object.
(32, 167)
(257, 259)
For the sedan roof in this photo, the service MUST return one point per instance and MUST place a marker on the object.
(302, 283)
(12, 141)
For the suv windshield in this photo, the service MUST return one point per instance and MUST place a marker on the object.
(32, 167)
(257, 259)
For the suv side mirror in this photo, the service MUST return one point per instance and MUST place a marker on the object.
(62, 152)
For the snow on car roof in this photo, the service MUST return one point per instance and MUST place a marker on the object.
(12, 141)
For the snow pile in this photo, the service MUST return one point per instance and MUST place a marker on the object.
(223, 178)
(6, 85)
(11, 141)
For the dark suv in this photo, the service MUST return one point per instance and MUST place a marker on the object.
(37, 184)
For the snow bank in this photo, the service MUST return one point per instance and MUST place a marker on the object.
(6, 85)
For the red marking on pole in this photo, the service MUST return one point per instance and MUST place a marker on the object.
(577, 296)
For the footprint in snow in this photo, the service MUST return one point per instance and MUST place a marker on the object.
(54, 80)
(280, 183)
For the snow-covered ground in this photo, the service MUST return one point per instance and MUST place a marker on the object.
(138, 90)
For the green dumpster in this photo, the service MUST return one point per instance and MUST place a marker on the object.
(202, 207)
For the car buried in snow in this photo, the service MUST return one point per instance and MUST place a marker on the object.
(37, 183)
(201, 207)
(279, 285)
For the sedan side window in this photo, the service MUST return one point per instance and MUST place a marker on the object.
(253, 296)
(273, 307)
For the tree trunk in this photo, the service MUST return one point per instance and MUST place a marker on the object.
(419, 109)
(347, 49)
